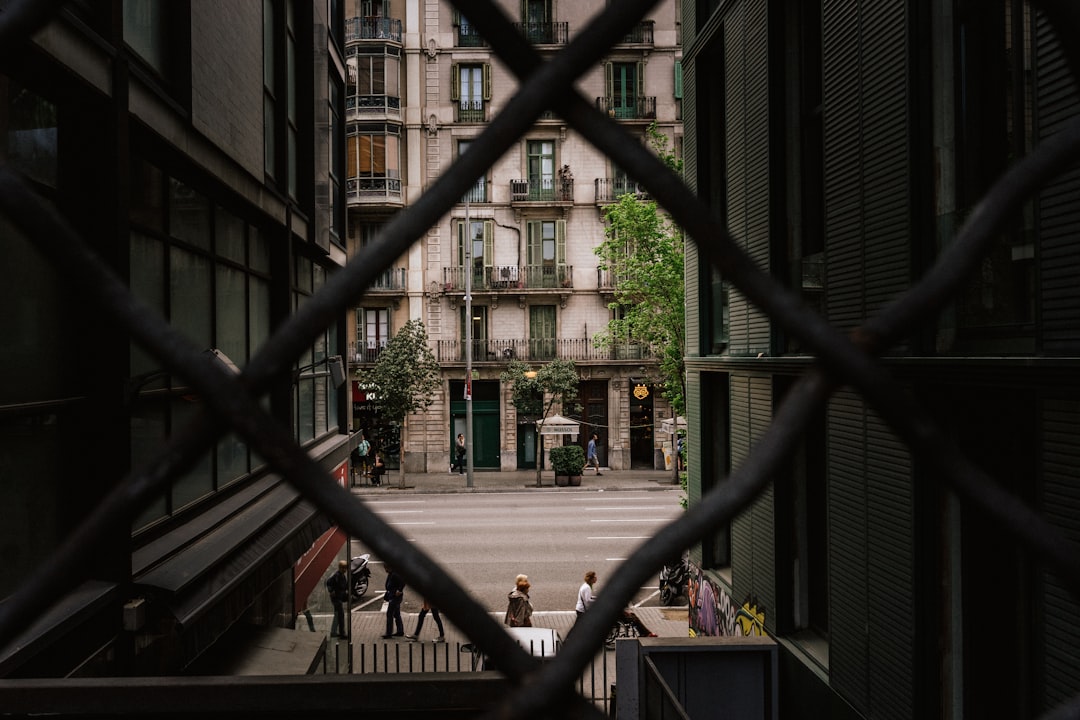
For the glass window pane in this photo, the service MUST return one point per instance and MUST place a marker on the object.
(258, 313)
(189, 296)
(30, 146)
(148, 428)
(144, 31)
(146, 256)
(230, 297)
(229, 235)
(189, 215)
(197, 482)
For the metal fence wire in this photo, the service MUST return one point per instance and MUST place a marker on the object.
(841, 360)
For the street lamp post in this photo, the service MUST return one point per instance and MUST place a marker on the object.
(468, 347)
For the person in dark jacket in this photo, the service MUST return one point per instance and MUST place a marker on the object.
(337, 585)
(395, 593)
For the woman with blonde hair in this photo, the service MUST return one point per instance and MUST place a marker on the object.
(519, 608)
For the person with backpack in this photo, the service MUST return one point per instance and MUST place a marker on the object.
(360, 456)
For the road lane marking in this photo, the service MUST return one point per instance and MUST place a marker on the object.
(618, 537)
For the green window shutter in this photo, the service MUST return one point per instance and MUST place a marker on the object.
(459, 251)
(560, 242)
(455, 82)
(489, 242)
(457, 18)
(531, 244)
(487, 81)
(678, 79)
(639, 80)
(609, 80)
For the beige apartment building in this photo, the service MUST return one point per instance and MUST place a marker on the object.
(422, 85)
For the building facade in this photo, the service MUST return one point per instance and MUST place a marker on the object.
(422, 86)
(844, 144)
(197, 148)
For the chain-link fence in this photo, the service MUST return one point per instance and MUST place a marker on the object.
(850, 360)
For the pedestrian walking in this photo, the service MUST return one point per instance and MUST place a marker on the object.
(394, 595)
(337, 585)
(459, 455)
(360, 456)
(425, 608)
(591, 457)
(518, 607)
(585, 594)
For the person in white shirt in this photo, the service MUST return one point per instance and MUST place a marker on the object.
(585, 595)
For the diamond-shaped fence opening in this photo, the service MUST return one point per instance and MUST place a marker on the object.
(842, 359)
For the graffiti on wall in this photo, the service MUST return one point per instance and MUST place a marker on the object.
(713, 612)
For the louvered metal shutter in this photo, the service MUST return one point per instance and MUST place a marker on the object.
(1059, 219)
(848, 557)
(1061, 502)
(747, 159)
(867, 163)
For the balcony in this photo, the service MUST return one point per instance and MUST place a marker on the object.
(373, 105)
(365, 353)
(539, 350)
(543, 190)
(467, 37)
(394, 280)
(478, 193)
(470, 111)
(544, 33)
(374, 190)
(642, 34)
(372, 28)
(510, 277)
(609, 190)
(640, 108)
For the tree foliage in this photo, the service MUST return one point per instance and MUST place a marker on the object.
(554, 383)
(406, 376)
(643, 251)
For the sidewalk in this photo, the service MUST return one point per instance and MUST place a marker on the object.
(517, 481)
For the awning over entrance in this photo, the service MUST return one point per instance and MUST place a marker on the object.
(558, 425)
(672, 424)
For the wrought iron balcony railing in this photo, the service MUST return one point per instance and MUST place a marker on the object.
(639, 108)
(372, 28)
(471, 111)
(374, 189)
(373, 104)
(642, 34)
(510, 277)
(503, 350)
(542, 190)
(544, 33)
(468, 37)
(609, 190)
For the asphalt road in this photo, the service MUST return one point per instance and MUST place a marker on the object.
(485, 540)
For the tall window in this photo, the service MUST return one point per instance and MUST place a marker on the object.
(374, 160)
(280, 109)
(375, 79)
(470, 90)
(542, 332)
(541, 169)
(546, 253)
(373, 331)
(994, 129)
(478, 193)
(479, 332)
(711, 188)
(624, 86)
(478, 238)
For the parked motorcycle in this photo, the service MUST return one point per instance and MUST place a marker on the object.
(361, 575)
(673, 578)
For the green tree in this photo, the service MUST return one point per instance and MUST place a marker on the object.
(405, 378)
(535, 393)
(643, 251)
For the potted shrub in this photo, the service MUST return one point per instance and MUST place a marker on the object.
(568, 461)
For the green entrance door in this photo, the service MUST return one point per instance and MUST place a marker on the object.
(484, 445)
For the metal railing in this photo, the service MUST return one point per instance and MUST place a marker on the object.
(372, 28)
(543, 33)
(609, 190)
(503, 350)
(543, 190)
(510, 277)
(637, 108)
(842, 358)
